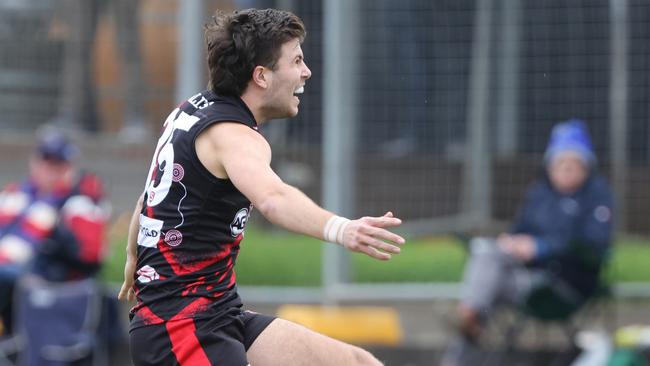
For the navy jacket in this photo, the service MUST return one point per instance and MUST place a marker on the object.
(573, 232)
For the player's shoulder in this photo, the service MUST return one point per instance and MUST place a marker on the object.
(233, 132)
(226, 108)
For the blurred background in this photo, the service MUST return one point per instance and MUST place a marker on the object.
(436, 110)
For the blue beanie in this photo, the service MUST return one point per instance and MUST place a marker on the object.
(571, 135)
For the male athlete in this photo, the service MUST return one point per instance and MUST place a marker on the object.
(210, 167)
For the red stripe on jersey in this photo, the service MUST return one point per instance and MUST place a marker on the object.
(232, 279)
(223, 276)
(185, 345)
(148, 317)
(193, 266)
(196, 306)
(193, 287)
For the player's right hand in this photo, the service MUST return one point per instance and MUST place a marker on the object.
(368, 235)
(126, 291)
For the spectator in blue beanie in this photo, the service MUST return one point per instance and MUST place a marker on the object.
(560, 238)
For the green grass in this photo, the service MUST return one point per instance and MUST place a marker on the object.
(269, 258)
(283, 259)
(631, 260)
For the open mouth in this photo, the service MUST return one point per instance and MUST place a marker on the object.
(300, 90)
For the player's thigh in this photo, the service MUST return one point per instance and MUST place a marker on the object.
(284, 343)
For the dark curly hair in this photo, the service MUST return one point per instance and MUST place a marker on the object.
(238, 42)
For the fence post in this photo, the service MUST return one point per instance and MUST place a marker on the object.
(189, 70)
(507, 105)
(618, 97)
(477, 182)
(341, 57)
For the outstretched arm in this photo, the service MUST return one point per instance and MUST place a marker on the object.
(126, 292)
(236, 152)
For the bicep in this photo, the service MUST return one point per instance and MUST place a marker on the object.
(246, 159)
(253, 178)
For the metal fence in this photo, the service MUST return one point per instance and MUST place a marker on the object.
(436, 110)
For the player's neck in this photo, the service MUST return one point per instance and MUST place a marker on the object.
(254, 103)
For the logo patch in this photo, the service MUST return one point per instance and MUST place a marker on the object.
(239, 222)
(173, 237)
(178, 172)
(147, 274)
(149, 232)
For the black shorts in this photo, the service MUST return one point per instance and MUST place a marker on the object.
(198, 342)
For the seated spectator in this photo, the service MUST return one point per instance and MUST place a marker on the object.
(51, 224)
(560, 238)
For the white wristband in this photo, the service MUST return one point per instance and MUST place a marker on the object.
(334, 228)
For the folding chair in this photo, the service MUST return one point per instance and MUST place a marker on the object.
(55, 324)
(553, 306)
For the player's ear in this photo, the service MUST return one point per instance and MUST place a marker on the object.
(260, 76)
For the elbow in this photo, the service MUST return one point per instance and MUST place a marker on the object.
(269, 207)
(272, 204)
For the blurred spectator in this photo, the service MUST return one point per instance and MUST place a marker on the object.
(560, 238)
(51, 224)
(78, 26)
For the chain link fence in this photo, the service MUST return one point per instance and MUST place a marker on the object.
(453, 100)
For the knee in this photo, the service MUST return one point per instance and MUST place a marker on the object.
(365, 358)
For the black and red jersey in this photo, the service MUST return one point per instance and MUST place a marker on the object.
(191, 223)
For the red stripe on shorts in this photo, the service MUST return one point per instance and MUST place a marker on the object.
(185, 345)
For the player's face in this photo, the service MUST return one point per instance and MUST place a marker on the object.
(287, 82)
(567, 172)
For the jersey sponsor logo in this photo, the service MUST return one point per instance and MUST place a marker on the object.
(239, 222)
(149, 232)
(178, 173)
(173, 237)
(147, 274)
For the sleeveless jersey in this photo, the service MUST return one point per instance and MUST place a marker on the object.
(191, 223)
